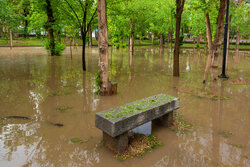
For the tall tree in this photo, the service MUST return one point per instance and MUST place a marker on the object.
(179, 10)
(50, 27)
(103, 46)
(218, 34)
(82, 21)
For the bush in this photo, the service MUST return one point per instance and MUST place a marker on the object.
(59, 47)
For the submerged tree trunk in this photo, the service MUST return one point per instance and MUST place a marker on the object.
(218, 34)
(179, 10)
(11, 39)
(49, 27)
(103, 46)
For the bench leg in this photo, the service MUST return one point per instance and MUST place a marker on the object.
(165, 120)
(117, 144)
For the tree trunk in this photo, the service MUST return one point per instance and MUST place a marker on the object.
(171, 44)
(238, 33)
(228, 37)
(83, 49)
(161, 40)
(210, 49)
(25, 28)
(96, 36)
(238, 37)
(149, 35)
(131, 40)
(218, 34)
(179, 10)
(90, 36)
(103, 46)
(49, 27)
(11, 39)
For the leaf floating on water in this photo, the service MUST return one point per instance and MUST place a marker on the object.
(32, 132)
(75, 140)
(84, 140)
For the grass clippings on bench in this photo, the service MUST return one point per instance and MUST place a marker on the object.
(133, 108)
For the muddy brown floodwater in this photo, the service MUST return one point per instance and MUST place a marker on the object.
(51, 91)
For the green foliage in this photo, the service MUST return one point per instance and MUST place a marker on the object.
(59, 47)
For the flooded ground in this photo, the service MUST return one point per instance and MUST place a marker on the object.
(50, 91)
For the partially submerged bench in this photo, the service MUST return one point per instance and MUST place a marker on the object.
(117, 122)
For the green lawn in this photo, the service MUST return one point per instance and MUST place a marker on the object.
(39, 42)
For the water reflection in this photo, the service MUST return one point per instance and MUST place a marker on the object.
(37, 86)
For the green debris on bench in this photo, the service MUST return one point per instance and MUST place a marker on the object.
(136, 107)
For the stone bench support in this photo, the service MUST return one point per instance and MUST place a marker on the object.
(117, 122)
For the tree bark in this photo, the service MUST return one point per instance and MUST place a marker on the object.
(238, 33)
(210, 49)
(11, 39)
(238, 37)
(50, 23)
(179, 10)
(103, 45)
(149, 35)
(228, 37)
(131, 40)
(83, 49)
(218, 34)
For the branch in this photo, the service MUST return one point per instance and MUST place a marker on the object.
(91, 19)
(74, 13)
(81, 4)
(85, 16)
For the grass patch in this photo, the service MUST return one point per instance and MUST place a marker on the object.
(225, 133)
(63, 108)
(78, 140)
(180, 125)
(138, 146)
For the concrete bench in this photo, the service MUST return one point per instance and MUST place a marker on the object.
(117, 122)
